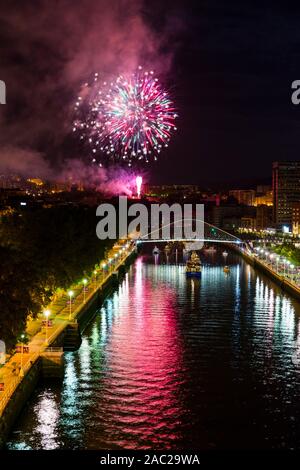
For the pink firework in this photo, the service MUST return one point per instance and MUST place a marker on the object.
(138, 182)
(129, 119)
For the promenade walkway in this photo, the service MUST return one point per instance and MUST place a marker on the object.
(61, 314)
(276, 271)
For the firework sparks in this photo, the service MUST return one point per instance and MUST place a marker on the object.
(129, 119)
(138, 182)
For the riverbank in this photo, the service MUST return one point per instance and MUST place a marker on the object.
(21, 372)
(266, 268)
(176, 363)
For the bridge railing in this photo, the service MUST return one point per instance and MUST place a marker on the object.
(208, 233)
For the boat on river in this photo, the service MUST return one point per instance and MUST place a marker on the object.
(155, 251)
(193, 266)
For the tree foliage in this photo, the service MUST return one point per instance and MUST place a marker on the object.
(40, 252)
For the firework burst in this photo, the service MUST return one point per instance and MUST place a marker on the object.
(130, 119)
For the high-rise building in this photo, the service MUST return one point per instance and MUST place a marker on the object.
(286, 191)
(296, 218)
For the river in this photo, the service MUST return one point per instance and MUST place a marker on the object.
(176, 363)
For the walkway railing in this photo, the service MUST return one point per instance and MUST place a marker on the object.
(281, 275)
(15, 381)
(24, 363)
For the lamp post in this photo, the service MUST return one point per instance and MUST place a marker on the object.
(70, 294)
(47, 315)
(288, 268)
(277, 260)
(297, 276)
(284, 264)
(115, 259)
(103, 265)
(22, 347)
(84, 282)
(95, 276)
(109, 261)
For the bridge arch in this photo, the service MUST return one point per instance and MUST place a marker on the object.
(209, 234)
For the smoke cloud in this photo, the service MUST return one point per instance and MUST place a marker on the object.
(29, 163)
(24, 162)
(110, 181)
(47, 50)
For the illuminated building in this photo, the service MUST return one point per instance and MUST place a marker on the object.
(296, 218)
(286, 191)
(264, 196)
(243, 196)
(35, 181)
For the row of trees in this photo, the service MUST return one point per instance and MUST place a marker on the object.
(42, 251)
(288, 250)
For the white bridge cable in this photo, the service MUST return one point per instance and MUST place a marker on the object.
(219, 235)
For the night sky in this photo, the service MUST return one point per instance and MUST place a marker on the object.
(229, 66)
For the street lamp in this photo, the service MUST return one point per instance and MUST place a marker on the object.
(84, 282)
(284, 265)
(70, 294)
(288, 268)
(22, 347)
(47, 315)
(297, 276)
(95, 276)
(277, 260)
(103, 265)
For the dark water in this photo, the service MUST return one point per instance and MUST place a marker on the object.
(176, 363)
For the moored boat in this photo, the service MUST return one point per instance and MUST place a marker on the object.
(193, 266)
(155, 251)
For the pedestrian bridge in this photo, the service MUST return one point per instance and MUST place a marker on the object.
(207, 233)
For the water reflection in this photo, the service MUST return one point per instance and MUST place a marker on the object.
(47, 421)
(171, 362)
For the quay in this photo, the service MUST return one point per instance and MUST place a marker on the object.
(43, 355)
(285, 284)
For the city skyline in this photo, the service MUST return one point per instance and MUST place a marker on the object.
(149, 232)
(235, 108)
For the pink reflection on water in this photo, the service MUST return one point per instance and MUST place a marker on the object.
(144, 367)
